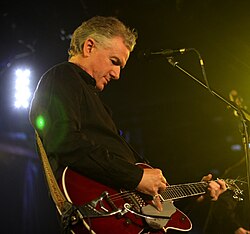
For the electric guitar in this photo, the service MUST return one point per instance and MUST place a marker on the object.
(103, 210)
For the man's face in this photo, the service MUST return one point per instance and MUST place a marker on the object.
(105, 63)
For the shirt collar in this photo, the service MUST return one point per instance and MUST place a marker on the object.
(88, 78)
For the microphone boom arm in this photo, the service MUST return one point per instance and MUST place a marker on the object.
(229, 103)
(242, 113)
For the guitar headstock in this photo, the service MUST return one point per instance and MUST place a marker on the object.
(234, 97)
(231, 185)
(238, 100)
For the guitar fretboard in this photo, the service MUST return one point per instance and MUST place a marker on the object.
(184, 190)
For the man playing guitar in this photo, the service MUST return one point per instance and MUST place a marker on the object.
(78, 131)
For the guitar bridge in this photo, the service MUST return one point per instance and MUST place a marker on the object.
(135, 201)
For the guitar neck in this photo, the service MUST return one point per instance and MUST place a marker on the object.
(174, 192)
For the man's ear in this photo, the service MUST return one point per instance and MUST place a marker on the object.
(88, 46)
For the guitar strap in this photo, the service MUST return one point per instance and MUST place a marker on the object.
(66, 209)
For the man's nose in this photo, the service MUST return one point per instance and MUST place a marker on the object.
(115, 73)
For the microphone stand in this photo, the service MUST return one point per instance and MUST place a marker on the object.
(242, 113)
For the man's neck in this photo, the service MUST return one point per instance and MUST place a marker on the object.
(77, 60)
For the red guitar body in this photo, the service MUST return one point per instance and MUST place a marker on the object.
(81, 190)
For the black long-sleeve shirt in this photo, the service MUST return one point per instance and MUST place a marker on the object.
(78, 128)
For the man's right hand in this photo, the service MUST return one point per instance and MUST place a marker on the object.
(152, 183)
(241, 231)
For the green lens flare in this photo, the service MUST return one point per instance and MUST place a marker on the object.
(40, 122)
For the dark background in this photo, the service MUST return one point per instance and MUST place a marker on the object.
(168, 117)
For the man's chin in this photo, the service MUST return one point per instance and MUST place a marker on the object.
(100, 87)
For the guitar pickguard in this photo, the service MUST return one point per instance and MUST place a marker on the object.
(158, 223)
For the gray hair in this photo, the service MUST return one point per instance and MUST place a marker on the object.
(101, 29)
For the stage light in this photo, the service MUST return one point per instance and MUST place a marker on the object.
(40, 122)
(236, 147)
(23, 93)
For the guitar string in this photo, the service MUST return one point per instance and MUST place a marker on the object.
(117, 197)
(171, 188)
(189, 189)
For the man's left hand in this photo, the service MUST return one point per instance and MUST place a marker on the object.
(215, 188)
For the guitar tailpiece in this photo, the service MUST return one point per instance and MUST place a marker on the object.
(89, 210)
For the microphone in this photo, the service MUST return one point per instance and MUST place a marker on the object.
(170, 52)
(166, 52)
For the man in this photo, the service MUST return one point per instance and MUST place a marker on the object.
(79, 131)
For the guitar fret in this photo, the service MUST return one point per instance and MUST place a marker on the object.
(187, 190)
(193, 188)
(181, 191)
(184, 190)
(202, 187)
(169, 193)
(173, 192)
(178, 192)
